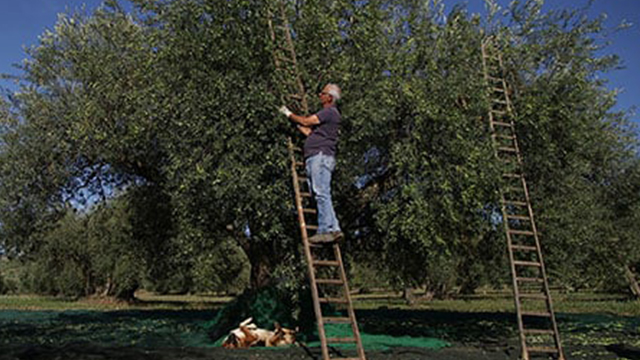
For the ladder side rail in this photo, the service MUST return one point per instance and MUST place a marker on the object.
(292, 53)
(519, 169)
(545, 280)
(534, 229)
(307, 251)
(272, 34)
(350, 310)
(286, 63)
(514, 279)
(503, 208)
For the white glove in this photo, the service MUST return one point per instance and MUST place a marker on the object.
(285, 111)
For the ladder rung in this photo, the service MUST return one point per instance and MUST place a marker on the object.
(530, 280)
(285, 59)
(527, 263)
(508, 160)
(494, 78)
(295, 148)
(336, 320)
(291, 70)
(329, 281)
(487, 55)
(501, 136)
(518, 217)
(302, 178)
(543, 349)
(341, 340)
(499, 112)
(498, 89)
(312, 227)
(295, 96)
(299, 163)
(326, 263)
(507, 149)
(538, 332)
(500, 123)
(515, 203)
(512, 176)
(523, 248)
(535, 314)
(333, 300)
(498, 101)
(514, 189)
(533, 296)
(305, 194)
(521, 232)
(309, 211)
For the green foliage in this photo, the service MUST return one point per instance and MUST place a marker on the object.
(266, 306)
(223, 268)
(63, 263)
(171, 110)
(575, 148)
(474, 321)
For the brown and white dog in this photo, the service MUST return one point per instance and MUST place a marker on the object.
(248, 334)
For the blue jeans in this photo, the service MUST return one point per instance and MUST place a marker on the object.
(319, 169)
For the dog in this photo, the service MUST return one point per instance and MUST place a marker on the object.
(282, 336)
(248, 334)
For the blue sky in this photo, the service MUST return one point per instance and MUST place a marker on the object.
(22, 21)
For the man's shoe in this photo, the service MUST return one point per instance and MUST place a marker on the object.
(337, 235)
(322, 238)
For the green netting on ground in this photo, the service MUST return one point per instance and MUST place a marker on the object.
(266, 306)
(370, 341)
(378, 342)
(186, 328)
(270, 305)
(131, 328)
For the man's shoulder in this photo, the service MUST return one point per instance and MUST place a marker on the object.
(328, 113)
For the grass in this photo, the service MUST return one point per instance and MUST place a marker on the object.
(588, 321)
(500, 302)
(145, 301)
(572, 303)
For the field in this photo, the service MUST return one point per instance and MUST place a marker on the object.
(593, 326)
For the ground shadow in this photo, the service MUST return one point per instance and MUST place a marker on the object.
(182, 334)
(465, 327)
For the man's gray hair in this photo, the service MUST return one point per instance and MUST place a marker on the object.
(334, 91)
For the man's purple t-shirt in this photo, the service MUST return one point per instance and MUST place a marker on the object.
(324, 137)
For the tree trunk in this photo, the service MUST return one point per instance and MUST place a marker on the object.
(633, 281)
(127, 294)
(108, 287)
(260, 257)
(407, 295)
(260, 272)
(261, 261)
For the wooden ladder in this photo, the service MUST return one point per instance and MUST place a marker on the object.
(539, 336)
(327, 276)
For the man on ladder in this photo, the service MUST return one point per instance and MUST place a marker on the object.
(321, 130)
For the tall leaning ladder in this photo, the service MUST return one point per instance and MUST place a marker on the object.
(327, 276)
(539, 336)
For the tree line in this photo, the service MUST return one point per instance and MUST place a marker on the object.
(144, 149)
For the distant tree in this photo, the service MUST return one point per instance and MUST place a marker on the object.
(575, 147)
(173, 108)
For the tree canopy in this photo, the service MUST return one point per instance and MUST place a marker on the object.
(160, 128)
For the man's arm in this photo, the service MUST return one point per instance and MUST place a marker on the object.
(307, 121)
(305, 130)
